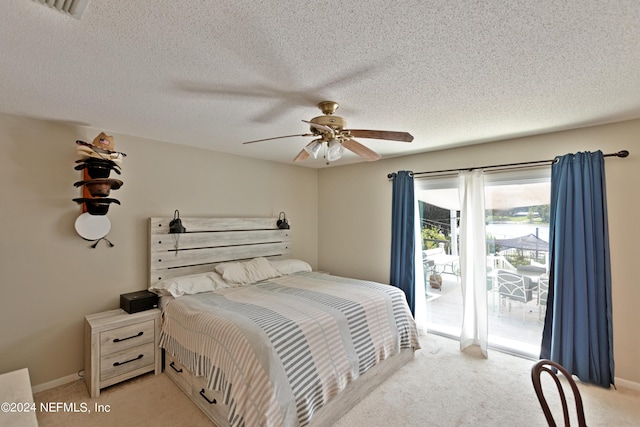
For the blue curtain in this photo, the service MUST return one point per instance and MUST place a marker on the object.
(578, 330)
(403, 271)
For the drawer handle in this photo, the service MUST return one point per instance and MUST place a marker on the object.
(139, 334)
(128, 361)
(213, 402)
(173, 365)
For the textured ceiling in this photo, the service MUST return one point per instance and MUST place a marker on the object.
(213, 74)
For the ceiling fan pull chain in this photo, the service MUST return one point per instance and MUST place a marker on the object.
(324, 146)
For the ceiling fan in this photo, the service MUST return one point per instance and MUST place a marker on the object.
(334, 138)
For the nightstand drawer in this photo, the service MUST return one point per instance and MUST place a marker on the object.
(126, 337)
(126, 360)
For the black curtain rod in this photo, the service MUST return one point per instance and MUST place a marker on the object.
(622, 153)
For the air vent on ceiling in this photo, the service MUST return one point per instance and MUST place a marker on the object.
(74, 8)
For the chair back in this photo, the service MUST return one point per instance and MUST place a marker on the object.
(490, 278)
(552, 368)
(543, 290)
(514, 286)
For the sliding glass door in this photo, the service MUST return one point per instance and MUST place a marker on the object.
(517, 230)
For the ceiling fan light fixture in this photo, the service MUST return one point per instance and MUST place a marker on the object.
(313, 148)
(334, 150)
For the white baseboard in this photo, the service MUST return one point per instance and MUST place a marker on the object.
(627, 384)
(55, 383)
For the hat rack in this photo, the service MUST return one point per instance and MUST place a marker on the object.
(97, 162)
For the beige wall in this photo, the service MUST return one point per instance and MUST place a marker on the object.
(51, 278)
(355, 213)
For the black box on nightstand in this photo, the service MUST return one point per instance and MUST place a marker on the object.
(134, 302)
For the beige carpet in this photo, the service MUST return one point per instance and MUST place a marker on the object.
(440, 387)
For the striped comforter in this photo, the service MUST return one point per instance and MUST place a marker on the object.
(280, 349)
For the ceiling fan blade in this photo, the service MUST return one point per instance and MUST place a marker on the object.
(302, 155)
(249, 91)
(381, 134)
(323, 128)
(362, 151)
(278, 137)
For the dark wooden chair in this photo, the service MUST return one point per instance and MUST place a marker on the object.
(552, 368)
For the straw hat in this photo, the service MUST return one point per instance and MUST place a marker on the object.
(86, 152)
(103, 141)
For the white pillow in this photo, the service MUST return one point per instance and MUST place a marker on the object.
(290, 266)
(247, 272)
(189, 285)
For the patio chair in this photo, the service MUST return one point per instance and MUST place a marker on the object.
(428, 269)
(543, 292)
(515, 287)
(491, 286)
(552, 369)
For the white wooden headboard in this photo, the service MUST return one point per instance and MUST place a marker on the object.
(212, 240)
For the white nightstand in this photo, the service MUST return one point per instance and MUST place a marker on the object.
(119, 346)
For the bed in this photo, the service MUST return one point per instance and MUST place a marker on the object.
(255, 338)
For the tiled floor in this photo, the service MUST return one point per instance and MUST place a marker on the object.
(507, 330)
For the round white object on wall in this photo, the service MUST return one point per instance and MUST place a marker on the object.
(92, 227)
